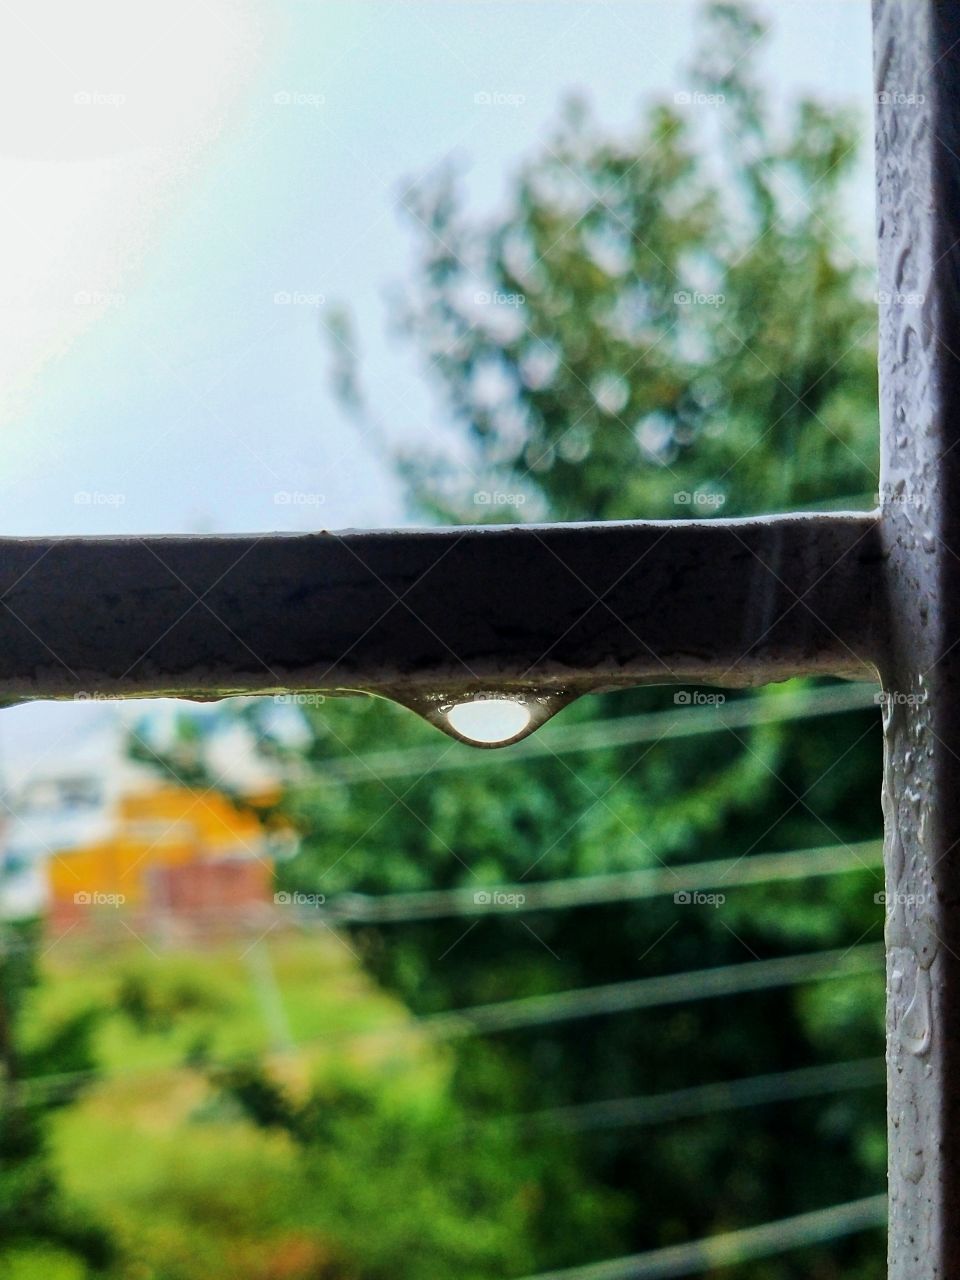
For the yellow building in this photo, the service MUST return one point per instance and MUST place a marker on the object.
(92, 827)
(156, 832)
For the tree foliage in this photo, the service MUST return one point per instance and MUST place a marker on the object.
(34, 1213)
(693, 314)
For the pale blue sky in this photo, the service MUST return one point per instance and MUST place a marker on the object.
(197, 398)
(157, 195)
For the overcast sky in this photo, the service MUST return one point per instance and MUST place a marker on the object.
(165, 173)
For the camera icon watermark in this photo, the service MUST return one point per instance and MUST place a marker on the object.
(893, 98)
(698, 498)
(898, 495)
(696, 98)
(98, 298)
(94, 498)
(885, 299)
(298, 899)
(498, 898)
(897, 698)
(297, 298)
(696, 898)
(696, 298)
(296, 98)
(297, 498)
(494, 98)
(498, 498)
(897, 899)
(497, 298)
(698, 698)
(97, 98)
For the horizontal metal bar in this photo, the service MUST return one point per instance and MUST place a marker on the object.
(561, 609)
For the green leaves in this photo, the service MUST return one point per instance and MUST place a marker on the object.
(643, 322)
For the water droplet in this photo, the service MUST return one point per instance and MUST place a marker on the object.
(916, 1023)
(488, 717)
(489, 720)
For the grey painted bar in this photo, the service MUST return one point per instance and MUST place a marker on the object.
(563, 608)
(917, 48)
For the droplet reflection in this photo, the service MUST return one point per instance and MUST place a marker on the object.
(489, 720)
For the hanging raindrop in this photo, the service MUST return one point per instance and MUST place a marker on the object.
(488, 718)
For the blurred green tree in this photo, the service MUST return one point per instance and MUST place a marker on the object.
(40, 1229)
(446, 1198)
(676, 311)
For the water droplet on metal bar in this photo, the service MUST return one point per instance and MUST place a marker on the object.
(488, 717)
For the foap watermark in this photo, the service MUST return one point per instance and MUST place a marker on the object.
(296, 298)
(898, 495)
(897, 899)
(83, 696)
(698, 698)
(698, 498)
(696, 98)
(497, 98)
(498, 298)
(95, 498)
(696, 898)
(298, 899)
(93, 898)
(498, 498)
(894, 98)
(98, 98)
(98, 298)
(298, 98)
(299, 699)
(697, 298)
(298, 498)
(498, 898)
(884, 298)
(899, 698)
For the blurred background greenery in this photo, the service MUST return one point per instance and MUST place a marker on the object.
(670, 312)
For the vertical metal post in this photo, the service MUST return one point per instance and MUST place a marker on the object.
(917, 61)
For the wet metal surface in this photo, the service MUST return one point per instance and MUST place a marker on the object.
(419, 615)
(917, 47)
